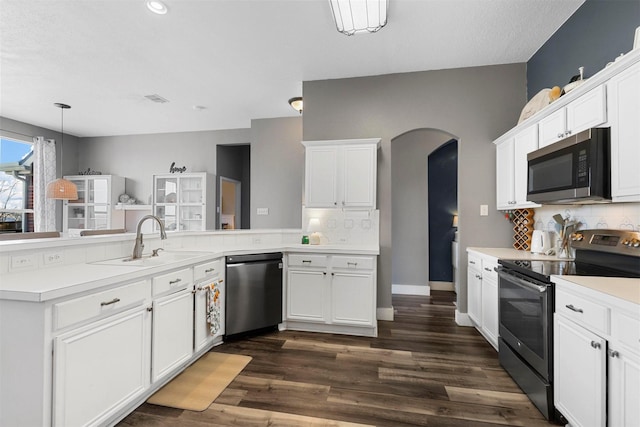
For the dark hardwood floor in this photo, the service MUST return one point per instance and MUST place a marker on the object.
(421, 370)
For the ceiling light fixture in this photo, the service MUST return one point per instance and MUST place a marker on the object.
(157, 6)
(61, 189)
(296, 104)
(359, 16)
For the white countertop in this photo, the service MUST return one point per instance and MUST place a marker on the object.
(40, 285)
(511, 253)
(619, 287)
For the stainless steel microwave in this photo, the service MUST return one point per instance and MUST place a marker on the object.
(576, 169)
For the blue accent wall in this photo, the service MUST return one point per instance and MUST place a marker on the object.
(598, 32)
(443, 203)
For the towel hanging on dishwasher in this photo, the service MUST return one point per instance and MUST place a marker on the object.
(213, 307)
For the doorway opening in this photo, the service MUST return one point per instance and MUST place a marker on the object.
(412, 264)
(230, 195)
(233, 167)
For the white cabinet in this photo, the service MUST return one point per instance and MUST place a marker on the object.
(587, 111)
(579, 373)
(209, 304)
(185, 202)
(331, 293)
(624, 110)
(341, 174)
(172, 334)
(482, 295)
(100, 368)
(511, 169)
(596, 357)
(95, 208)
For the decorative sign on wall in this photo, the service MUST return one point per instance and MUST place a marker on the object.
(176, 169)
(89, 172)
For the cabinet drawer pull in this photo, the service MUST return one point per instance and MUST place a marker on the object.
(487, 269)
(306, 261)
(221, 280)
(355, 264)
(472, 262)
(614, 354)
(173, 282)
(572, 308)
(478, 276)
(595, 344)
(209, 270)
(113, 301)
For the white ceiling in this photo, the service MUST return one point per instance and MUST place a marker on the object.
(241, 59)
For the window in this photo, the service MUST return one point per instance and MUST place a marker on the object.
(15, 182)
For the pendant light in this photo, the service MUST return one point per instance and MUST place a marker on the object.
(61, 189)
(359, 16)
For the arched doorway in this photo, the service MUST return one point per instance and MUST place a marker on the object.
(410, 208)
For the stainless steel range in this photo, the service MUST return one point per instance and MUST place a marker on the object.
(526, 305)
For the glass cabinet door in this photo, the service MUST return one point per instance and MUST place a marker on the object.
(166, 190)
(168, 215)
(82, 191)
(191, 218)
(191, 189)
(76, 215)
(98, 191)
(97, 217)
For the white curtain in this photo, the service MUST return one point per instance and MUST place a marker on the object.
(44, 171)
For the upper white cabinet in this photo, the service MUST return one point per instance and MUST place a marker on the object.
(587, 111)
(341, 173)
(624, 114)
(511, 169)
(185, 202)
(94, 209)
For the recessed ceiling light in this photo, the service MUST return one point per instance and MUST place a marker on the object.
(199, 107)
(157, 6)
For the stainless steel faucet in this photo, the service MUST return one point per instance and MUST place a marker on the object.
(139, 246)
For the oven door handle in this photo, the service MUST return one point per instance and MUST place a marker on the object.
(523, 283)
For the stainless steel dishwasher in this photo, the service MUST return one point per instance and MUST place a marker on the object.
(254, 292)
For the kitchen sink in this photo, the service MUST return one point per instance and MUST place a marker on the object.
(162, 258)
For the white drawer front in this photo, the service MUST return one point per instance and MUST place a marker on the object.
(626, 329)
(474, 261)
(353, 262)
(488, 269)
(99, 304)
(583, 311)
(208, 269)
(172, 282)
(308, 260)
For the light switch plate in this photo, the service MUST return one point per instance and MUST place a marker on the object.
(484, 210)
(262, 211)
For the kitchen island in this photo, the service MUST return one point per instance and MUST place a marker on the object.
(86, 338)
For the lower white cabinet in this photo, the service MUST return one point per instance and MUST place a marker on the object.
(596, 357)
(100, 368)
(172, 332)
(482, 294)
(209, 304)
(331, 293)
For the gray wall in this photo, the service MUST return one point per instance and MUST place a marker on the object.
(409, 205)
(475, 104)
(277, 164)
(594, 35)
(25, 131)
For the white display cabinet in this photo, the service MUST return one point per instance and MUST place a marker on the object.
(95, 207)
(185, 202)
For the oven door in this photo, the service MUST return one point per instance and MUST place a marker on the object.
(526, 316)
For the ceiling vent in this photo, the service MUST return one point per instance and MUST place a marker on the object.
(156, 98)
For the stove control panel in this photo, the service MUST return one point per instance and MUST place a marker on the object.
(623, 242)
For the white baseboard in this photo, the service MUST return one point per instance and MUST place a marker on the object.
(384, 313)
(442, 286)
(411, 290)
(463, 319)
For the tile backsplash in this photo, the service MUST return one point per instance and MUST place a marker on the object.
(619, 216)
(344, 226)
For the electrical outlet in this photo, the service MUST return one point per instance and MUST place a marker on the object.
(53, 258)
(262, 211)
(23, 261)
(484, 210)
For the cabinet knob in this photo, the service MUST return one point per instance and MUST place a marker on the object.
(560, 135)
(595, 344)
(478, 276)
(149, 309)
(614, 354)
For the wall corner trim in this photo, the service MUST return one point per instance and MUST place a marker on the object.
(384, 313)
